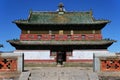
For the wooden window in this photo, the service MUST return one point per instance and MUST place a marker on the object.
(39, 37)
(50, 32)
(72, 32)
(52, 53)
(60, 32)
(69, 36)
(83, 37)
(69, 53)
(28, 31)
(93, 31)
(53, 37)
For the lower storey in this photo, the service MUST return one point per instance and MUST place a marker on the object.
(55, 56)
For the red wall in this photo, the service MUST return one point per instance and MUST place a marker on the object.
(60, 37)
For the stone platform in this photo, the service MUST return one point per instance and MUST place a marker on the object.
(62, 73)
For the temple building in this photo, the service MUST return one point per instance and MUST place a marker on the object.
(70, 36)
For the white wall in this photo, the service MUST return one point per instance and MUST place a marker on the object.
(85, 54)
(45, 54)
(35, 54)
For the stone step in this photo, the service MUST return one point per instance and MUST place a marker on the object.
(24, 76)
(93, 76)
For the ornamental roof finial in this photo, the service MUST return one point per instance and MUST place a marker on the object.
(61, 7)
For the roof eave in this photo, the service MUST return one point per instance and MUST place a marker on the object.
(32, 23)
(89, 42)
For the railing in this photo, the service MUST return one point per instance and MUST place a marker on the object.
(8, 64)
(106, 62)
(110, 65)
(61, 37)
(11, 62)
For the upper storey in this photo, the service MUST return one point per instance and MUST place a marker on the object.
(61, 19)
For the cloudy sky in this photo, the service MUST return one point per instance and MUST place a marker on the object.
(11, 10)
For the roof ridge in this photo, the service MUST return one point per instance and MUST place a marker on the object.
(65, 11)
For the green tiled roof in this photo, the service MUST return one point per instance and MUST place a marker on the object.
(66, 17)
(61, 18)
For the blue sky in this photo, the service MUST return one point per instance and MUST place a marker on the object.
(11, 10)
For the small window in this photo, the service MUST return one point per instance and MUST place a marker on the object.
(93, 31)
(72, 32)
(50, 32)
(61, 32)
(69, 36)
(52, 53)
(39, 37)
(53, 37)
(28, 31)
(83, 37)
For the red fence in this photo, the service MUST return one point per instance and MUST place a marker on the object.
(110, 65)
(8, 64)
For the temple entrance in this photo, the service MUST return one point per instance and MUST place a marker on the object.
(61, 57)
